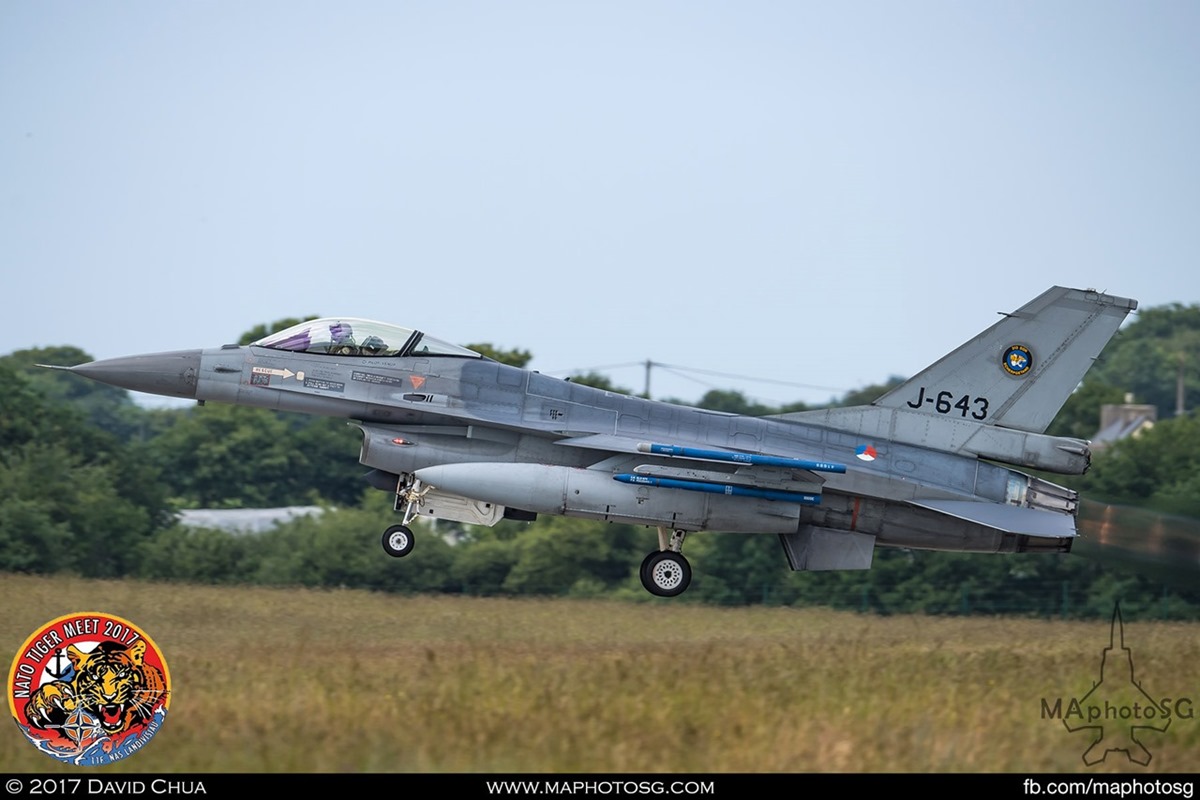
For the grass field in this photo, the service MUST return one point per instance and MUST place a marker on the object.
(346, 681)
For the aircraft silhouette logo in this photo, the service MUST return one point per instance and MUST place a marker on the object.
(1117, 711)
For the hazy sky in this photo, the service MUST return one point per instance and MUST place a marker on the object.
(819, 194)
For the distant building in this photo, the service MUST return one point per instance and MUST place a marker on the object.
(244, 520)
(1122, 420)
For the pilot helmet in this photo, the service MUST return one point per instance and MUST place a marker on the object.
(373, 345)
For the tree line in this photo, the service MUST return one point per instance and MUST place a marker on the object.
(90, 483)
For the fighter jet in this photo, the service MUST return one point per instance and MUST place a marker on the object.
(932, 464)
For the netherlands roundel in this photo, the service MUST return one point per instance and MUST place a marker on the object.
(1017, 360)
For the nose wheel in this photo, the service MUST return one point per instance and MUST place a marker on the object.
(398, 541)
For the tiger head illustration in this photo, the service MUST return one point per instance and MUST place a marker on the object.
(112, 683)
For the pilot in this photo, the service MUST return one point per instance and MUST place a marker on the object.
(373, 346)
(341, 337)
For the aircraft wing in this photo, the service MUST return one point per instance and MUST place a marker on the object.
(1010, 519)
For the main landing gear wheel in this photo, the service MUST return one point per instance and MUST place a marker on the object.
(398, 541)
(645, 565)
(666, 573)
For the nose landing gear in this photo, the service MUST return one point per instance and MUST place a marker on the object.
(398, 540)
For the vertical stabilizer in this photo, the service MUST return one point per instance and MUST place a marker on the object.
(1020, 371)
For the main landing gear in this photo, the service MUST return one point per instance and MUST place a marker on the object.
(398, 540)
(665, 572)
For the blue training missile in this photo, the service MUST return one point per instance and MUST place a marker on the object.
(721, 488)
(739, 458)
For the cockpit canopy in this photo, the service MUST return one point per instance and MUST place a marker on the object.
(347, 336)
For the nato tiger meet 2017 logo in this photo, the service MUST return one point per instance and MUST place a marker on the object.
(1017, 360)
(89, 688)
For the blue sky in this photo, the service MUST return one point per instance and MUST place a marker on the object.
(821, 195)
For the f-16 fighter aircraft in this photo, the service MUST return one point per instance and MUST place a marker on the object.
(457, 436)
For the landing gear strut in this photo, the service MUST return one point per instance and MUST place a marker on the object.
(665, 572)
(398, 540)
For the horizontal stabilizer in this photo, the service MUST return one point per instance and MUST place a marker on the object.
(1010, 519)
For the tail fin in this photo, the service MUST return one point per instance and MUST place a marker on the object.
(1020, 371)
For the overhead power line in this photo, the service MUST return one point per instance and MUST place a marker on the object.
(715, 373)
(680, 371)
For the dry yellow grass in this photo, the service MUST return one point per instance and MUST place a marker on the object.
(346, 681)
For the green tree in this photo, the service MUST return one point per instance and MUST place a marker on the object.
(341, 548)
(869, 394)
(482, 567)
(1157, 468)
(1080, 415)
(71, 495)
(736, 569)
(567, 555)
(221, 455)
(1148, 356)
(33, 534)
(108, 407)
(330, 446)
(61, 511)
(733, 402)
(198, 556)
(25, 415)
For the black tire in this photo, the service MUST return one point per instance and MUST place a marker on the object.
(398, 541)
(666, 573)
(645, 566)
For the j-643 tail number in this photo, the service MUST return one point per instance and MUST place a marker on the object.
(946, 404)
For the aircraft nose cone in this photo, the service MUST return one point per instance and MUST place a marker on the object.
(172, 374)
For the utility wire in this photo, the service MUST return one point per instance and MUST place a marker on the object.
(678, 370)
(751, 378)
